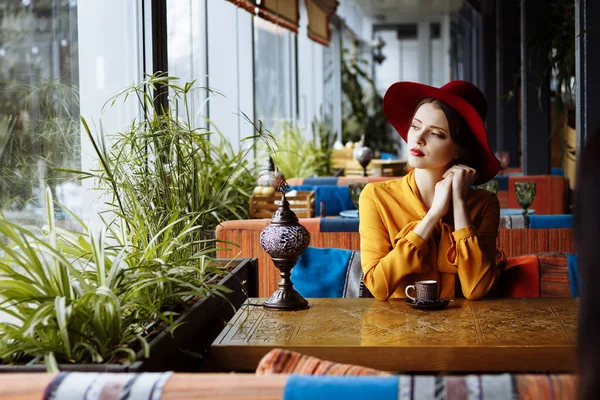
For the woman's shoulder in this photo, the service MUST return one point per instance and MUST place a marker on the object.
(393, 183)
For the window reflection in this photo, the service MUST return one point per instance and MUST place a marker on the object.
(39, 105)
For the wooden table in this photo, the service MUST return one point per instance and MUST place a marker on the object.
(484, 335)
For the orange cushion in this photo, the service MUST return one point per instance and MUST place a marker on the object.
(521, 278)
(278, 361)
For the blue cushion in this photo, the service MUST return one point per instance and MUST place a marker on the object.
(336, 198)
(557, 171)
(574, 280)
(321, 181)
(339, 224)
(551, 221)
(340, 387)
(389, 156)
(321, 272)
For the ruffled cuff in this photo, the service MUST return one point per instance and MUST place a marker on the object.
(463, 233)
(412, 238)
(455, 236)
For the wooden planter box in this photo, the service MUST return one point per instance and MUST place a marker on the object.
(200, 325)
(302, 204)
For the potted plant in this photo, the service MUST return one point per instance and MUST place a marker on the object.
(167, 186)
(295, 156)
(76, 299)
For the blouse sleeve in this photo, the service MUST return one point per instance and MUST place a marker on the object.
(386, 263)
(475, 255)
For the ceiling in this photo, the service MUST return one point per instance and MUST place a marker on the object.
(390, 8)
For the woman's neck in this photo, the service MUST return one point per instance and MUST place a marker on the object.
(426, 180)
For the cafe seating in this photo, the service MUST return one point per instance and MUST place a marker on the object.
(305, 378)
(314, 378)
(342, 233)
(537, 221)
(332, 272)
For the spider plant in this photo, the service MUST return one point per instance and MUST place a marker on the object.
(63, 296)
(163, 165)
(74, 298)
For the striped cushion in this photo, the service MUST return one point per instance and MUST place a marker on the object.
(551, 386)
(106, 386)
(279, 361)
(327, 380)
(554, 274)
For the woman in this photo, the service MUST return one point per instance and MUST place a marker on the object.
(431, 224)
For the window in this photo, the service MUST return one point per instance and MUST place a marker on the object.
(186, 46)
(39, 105)
(274, 73)
(332, 84)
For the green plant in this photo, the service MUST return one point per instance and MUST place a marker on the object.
(297, 156)
(76, 299)
(362, 110)
(326, 138)
(79, 297)
(162, 166)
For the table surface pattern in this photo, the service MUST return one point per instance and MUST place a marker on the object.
(507, 324)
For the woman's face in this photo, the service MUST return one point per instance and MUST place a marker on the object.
(429, 143)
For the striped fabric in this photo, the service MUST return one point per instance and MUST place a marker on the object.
(551, 386)
(513, 242)
(279, 361)
(554, 274)
(326, 381)
(106, 386)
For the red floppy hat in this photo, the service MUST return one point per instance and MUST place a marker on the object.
(402, 98)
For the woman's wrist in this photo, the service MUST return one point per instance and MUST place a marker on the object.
(458, 198)
(462, 216)
(433, 215)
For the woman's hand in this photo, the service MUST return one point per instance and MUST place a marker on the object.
(462, 179)
(442, 196)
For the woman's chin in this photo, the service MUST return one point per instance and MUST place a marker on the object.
(417, 162)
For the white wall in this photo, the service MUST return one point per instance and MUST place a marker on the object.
(353, 18)
(230, 69)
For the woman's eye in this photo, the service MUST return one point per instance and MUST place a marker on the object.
(437, 134)
(414, 126)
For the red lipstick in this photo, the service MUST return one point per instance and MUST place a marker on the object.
(416, 152)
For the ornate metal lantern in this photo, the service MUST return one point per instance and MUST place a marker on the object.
(285, 239)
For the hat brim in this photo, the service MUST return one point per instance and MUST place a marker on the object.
(399, 105)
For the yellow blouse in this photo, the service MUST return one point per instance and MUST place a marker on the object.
(393, 256)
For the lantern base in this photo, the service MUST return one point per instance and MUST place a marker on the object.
(286, 300)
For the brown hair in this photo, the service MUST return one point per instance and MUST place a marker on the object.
(460, 133)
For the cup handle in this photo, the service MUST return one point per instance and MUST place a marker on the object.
(408, 295)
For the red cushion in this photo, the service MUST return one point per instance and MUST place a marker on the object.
(521, 278)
